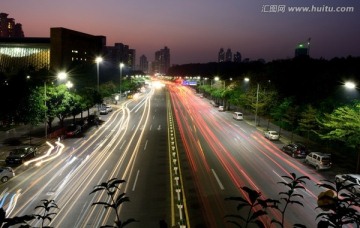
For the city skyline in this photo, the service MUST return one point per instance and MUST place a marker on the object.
(196, 30)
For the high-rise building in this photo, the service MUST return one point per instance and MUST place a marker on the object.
(237, 57)
(62, 51)
(121, 53)
(144, 64)
(162, 61)
(228, 55)
(8, 27)
(221, 55)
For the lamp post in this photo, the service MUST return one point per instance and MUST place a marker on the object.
(121, 66)
(98, 60)
(257, 102)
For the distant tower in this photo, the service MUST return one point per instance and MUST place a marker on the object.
(8, 27)
(221, 55)
(237, 57)
(228, 55)
(162, 61)
(144, 64)
(303, 49)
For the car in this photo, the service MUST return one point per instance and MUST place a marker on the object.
(20, 155)
(103, 111)
(109, 108)
(6, 173)
(272, 135)
(238, 116)
(73, 130)
(296, 150)
(350, 182)
(221, 108)
(319, 160)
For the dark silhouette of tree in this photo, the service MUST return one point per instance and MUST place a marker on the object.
(340, 206)
(46, 214)
(116, 199)
(257, 206)
(253, 201)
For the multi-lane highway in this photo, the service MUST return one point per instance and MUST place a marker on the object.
(226, 154)
(130, 145)
(180, 158)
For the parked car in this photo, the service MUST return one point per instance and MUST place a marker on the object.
(103, 111)
(109, 108)
(73, 130)
(20, 155)
(272, 135)
(6, 173)
(221, 108)
(238, 116)
(296, 150)
(319, 160)
(349, 181)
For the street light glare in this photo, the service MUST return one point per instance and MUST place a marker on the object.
(350, 85)
(69, 84)
(62, 75)
(98, 59)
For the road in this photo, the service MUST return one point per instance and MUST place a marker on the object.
(226, 154)
(180, 158)
(130, 145)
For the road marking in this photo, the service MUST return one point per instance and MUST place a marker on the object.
(137, 175)
(217, 179)
(145, 144)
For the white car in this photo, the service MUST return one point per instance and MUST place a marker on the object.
(238, 116)
(272, 135)
(6, 173)
(349, 181)
(319, 160)
(108, 108)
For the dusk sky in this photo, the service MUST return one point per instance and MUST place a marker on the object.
(195, 30)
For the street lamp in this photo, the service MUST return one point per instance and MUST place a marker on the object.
(121, 66)
(257, 102)
(350, 85)
(98, 60)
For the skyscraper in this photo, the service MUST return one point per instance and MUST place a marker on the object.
(144, 64)
(8, 27)
(221, 55)
(237, 57)
(162, 61)
(228, 55)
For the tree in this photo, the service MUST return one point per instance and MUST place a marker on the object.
(340, 207)
(116, 199)
(307, 121)
(257, 206)
(343, 124)
(278, 113)
(58, 103)
(46, 214)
